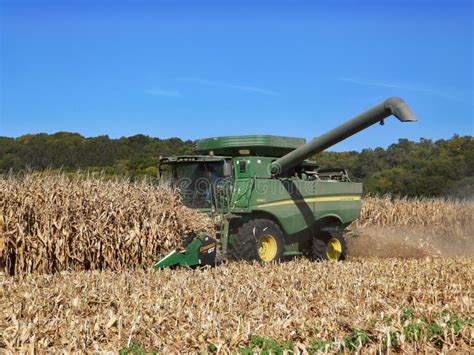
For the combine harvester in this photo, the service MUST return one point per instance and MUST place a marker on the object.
(269, 200)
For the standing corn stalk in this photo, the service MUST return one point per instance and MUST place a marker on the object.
(51, 223)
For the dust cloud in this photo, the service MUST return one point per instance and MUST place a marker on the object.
(410, 243)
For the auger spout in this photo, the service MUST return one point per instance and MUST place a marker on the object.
(392, 106)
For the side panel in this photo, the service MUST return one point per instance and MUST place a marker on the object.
(299, 204)
(285, 200)
(338, 199)
(242, 194)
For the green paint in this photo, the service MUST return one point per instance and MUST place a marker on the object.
(186, 257)
(255, 144)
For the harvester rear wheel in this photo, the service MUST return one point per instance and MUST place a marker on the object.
(329, 244)
(259, 239)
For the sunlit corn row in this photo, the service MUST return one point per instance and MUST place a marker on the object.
(388, 305)
(51, 223)
(448, 216)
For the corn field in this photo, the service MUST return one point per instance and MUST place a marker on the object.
(375, 305)
(447, 216)
(51, 223)
(69, 281)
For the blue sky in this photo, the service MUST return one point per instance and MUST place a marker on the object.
(194, 69)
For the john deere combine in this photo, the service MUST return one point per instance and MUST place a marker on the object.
(269, 200)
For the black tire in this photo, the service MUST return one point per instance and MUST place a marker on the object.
(324, 239)
(255, 233)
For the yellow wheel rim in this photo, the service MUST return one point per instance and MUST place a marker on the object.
(334, 249)
(267, 248)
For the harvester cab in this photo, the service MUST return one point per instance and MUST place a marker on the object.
(198, 178)
(268, 200)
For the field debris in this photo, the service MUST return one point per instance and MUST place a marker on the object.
(417, 305)
(413, 228)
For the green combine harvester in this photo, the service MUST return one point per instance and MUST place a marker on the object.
(269, 200)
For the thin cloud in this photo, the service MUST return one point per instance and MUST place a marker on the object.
(409, 87)
(247, 88)
(161, 92)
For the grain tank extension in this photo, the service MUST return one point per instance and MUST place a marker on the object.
(269, 201)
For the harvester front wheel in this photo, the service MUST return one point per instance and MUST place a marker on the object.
(259, 239)
(329, 244)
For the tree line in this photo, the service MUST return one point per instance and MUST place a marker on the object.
(406, 168)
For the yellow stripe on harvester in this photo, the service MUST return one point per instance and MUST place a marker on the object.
(311, 199)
